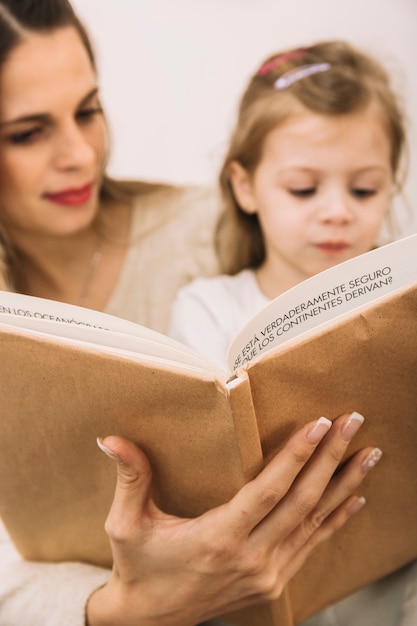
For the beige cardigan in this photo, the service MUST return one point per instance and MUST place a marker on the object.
(171, 243)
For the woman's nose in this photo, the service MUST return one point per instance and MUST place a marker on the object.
(73, 150)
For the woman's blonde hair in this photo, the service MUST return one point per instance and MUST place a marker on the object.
(353, 81)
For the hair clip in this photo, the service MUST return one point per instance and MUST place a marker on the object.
(270, 65)
(297, 73)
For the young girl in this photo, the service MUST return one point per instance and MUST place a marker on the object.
(307, 182)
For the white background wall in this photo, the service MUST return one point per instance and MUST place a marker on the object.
(172, 71)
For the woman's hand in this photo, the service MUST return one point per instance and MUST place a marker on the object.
(170, 571)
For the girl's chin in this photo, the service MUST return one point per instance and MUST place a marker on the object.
(322, 267)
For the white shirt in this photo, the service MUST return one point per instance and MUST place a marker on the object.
(208, 312)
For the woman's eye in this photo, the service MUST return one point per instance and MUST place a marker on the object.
(304, 192)
(86, 115)
(25, 136)
(359, 192)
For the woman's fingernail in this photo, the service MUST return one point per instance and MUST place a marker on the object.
(371, 460)
(352, 426)
(318, 430)
(107, 451)
(356, 505)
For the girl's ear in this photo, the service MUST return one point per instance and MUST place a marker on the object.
(242, 187)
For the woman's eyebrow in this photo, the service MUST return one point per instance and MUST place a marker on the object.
(44, 117)
(89, 96)
(36, 117)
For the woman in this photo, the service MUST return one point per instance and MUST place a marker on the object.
(72, 234)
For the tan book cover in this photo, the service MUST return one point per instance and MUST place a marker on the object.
(68, 375)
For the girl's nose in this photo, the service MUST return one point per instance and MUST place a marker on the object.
(336, 207)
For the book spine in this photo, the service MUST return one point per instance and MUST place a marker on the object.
(278, 612)
(275, 613)
(245, 425)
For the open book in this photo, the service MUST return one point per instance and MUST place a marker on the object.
(343, 340)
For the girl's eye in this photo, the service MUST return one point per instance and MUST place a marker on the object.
(305, 192)
(363, 192)
(87, 115)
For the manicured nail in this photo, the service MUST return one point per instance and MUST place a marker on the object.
(318, 430)
(352, 426)
(356, 505)
(107, 451)
(371, 460)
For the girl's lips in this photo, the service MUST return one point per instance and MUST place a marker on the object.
(72, 197)
(332, 246)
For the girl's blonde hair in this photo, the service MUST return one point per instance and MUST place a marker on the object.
(353, 81)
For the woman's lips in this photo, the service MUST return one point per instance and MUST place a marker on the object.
(72, 197)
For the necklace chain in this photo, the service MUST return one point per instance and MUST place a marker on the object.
(92, 267)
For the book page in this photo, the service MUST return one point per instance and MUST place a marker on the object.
(326, 296)
(82, 326)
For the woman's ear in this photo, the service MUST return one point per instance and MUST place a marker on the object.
(241, 183)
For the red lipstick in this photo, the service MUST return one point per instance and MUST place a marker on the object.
(73, 196)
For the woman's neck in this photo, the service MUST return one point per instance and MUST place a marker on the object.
(55, 268)
(81, 269)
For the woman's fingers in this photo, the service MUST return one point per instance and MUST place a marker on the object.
(322, 445)
(333, 510)
(261, 495)
(132, 495)
(256, 499)
(286, 503)
(285, 481)
(334, 522)
(334, 507)
(312, 480)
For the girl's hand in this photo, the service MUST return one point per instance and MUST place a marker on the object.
(170, 571)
